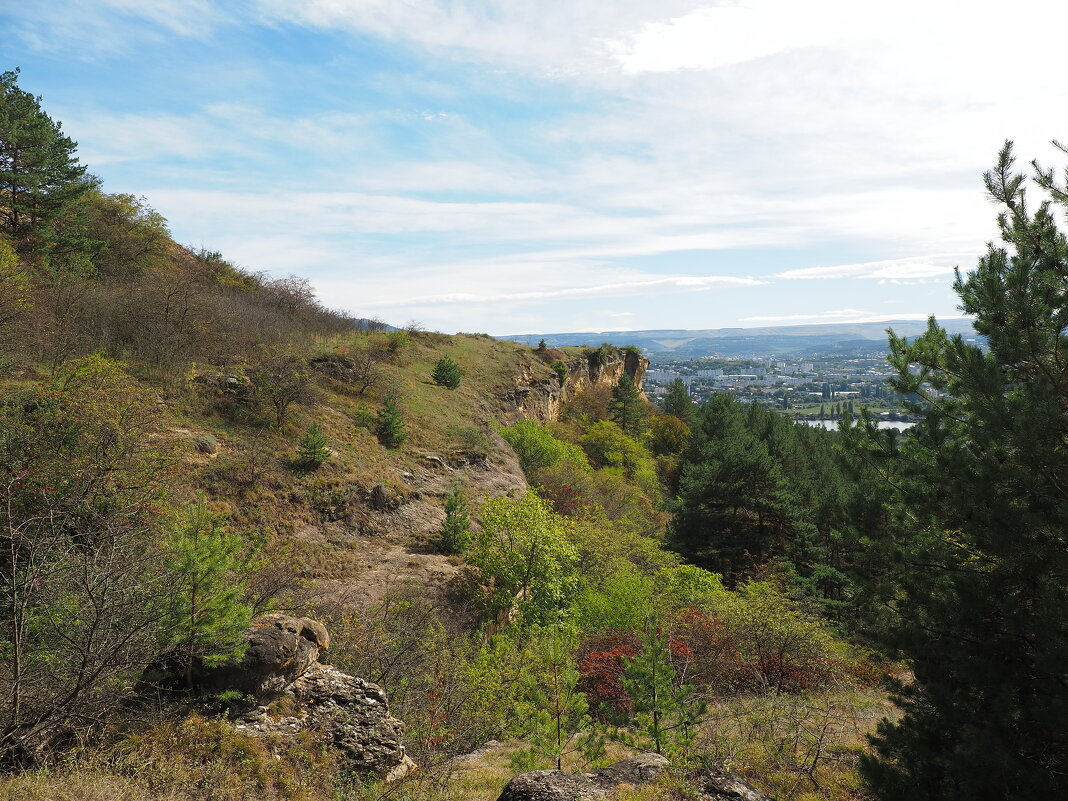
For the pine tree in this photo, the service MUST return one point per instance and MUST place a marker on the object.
(678, 403)
(207, 616)
(39, 172)
(446, 373)
(556, 710)
(982, 585)
(627, 408)
(456, 529)
(389, 423)
(313, 451)
(666, 709)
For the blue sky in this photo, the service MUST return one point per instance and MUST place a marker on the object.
(562, 165)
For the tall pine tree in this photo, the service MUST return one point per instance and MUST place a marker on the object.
(627, 407)
(982, 589)
(39, 172)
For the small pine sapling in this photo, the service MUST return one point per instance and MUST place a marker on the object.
(389, 423)
(313, 451)
(446, 373)
(456, 530)
(557, 712)
(206, 614)
(666, 709)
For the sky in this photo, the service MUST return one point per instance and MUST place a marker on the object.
(527, 166)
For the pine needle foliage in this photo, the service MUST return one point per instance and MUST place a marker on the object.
(456, 530)
(313, 451)
(446, 373)
(981, 594)
(389, 423)
(207, 614)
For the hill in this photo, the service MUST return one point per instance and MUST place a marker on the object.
(783, 341)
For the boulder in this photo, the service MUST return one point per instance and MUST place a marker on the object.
(352, 714)
(717, 786)
(356, 715)
(279, 649)
(555, 785)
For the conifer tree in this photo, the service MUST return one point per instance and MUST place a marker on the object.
(389, 423)
(313, 451)
(556, 710)
(207, 614)
(678, 403)
(666, 709)
(39, 172)
(627, 408)
(456, 529)
(981, 590)
(446, 373)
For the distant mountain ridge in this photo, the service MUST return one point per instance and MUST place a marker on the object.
(786, 340)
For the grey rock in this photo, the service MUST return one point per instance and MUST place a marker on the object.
(554, 785)
(352, 714)
(279, 649)
(718, 786)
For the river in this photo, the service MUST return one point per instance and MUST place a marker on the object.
(832, 425)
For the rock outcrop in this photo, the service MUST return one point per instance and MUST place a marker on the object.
(538, 393)
(555, 785)
(601, 785)
(282, 660)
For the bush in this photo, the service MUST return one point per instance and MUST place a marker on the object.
(559, 366)
(313, 452)
(446, 373)
(389, 424)
(537, 448)
(456, 530)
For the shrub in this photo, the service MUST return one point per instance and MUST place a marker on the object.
(537, 448)
(559, 366)
(313, 452)
(456, 530)
(446, 373)
(389, 424)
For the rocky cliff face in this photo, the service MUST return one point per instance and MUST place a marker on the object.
(538, 393)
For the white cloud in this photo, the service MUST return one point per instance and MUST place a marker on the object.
(845, 316)
(893, 270)
(650, 285)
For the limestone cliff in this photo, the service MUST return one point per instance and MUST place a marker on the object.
(539, 394)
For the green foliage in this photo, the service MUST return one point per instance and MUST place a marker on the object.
(754, 489)
(666, 710)
(446, 373)
(206, 614)
(523, 549)
(559, 366)
(313, 451)
(668, 435)
(456, 529)
(83, 579)
(608, 445)
(979, 555)
(14, 293)
(131, 235)
(555, 711)
(389, 423)
(627, 407)
(537, 448)
(678, 403)
(39, 172)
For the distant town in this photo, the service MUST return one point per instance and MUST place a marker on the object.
(818, 387)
